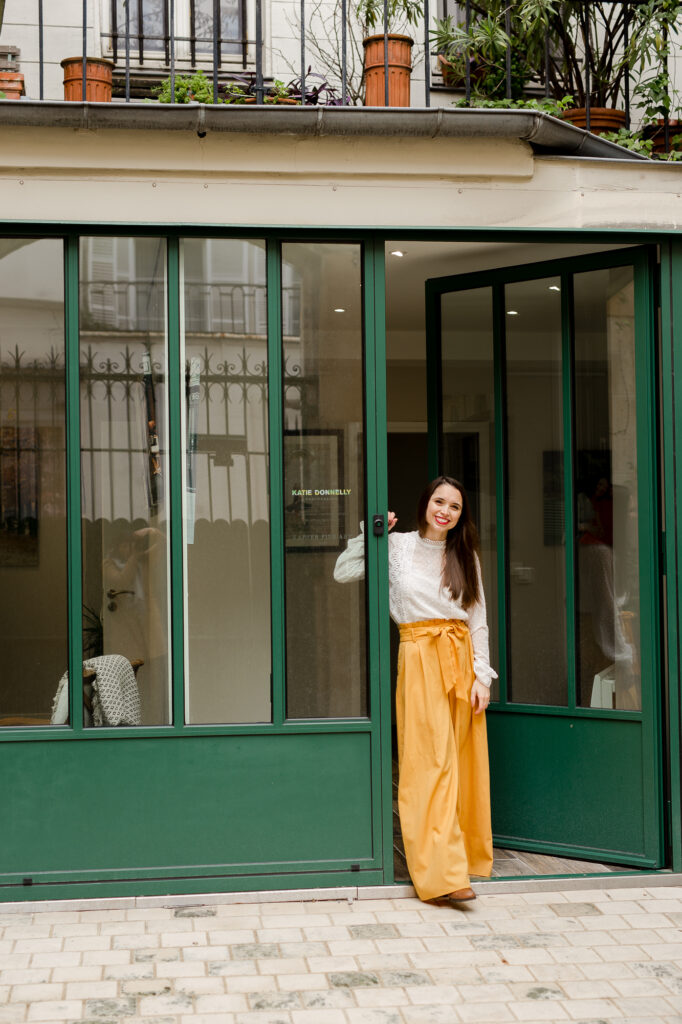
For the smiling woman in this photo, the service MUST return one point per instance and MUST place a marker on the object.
(444, 676)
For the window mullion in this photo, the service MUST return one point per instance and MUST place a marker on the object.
(501, 476)
(275, 427)
(73, 486)
(568, 390)
(175, 413)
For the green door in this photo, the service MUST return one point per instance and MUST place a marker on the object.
(189, 438)
(541, 400)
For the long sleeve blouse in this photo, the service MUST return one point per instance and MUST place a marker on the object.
(416, 591)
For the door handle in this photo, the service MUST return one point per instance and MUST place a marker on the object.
(378, 525)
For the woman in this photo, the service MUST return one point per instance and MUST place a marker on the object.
(444, 677)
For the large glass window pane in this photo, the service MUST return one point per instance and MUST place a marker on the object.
(124, 465)
(33, 586)
(535, 452)
(606, 490)
(227, 531)
(468, 400)
(324, 478)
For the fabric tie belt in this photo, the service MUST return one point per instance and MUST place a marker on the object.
(454, 649)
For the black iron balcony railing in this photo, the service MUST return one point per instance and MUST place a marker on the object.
(219, 40)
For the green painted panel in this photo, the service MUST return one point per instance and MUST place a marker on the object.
(550, 774)
(129, 805)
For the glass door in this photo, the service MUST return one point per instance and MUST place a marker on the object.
(541, 399)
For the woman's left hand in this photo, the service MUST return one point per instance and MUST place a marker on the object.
(480, 697)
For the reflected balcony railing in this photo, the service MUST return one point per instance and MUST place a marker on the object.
(211, 307)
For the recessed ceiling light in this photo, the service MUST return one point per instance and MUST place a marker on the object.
(554, 288)
(339, 310)
(397, 252)
(512, 312)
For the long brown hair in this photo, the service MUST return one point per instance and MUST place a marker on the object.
(460, 571)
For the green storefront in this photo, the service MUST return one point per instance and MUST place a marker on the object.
(192, 423)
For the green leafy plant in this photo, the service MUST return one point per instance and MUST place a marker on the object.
(630, 139)
(650, 53)
(401, 13)
(546, 105)
(495, 29)
(278, 91)
(196, 88)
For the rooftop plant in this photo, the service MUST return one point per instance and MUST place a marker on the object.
(198, 88)
(401, 14)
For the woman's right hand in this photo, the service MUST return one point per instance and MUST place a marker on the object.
(392, 520)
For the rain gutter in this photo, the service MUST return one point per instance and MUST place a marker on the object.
(544, 133)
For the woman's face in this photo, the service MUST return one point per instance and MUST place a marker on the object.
(443, 511)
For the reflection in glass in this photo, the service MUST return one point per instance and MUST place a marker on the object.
(33, 585)
(324, 492)
(468, 399)
(535, 447)
(606, 490)
(227, 532)
(124, 465)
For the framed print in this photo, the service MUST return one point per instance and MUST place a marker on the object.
(315, 500)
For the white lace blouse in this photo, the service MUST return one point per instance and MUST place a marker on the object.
(416, 592)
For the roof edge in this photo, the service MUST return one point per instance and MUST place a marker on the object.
(546, 134)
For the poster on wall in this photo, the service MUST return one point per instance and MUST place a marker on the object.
(315, 499)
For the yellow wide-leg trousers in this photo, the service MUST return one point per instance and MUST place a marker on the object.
(444, 783)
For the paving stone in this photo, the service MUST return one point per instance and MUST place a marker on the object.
(98, 1008)
(337, 998)
(273, 1000)
(536, 993)
(365, 1015)
(380, 997)
(402, 979)
(125, 972)
(540, 1010)
(255, 950)
(353, 979)
(374, 931)
(569, 909)
(237, 967)
(195, 912)
(434, 1013)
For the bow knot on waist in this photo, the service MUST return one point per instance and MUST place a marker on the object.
(433, 627)
(454, 649)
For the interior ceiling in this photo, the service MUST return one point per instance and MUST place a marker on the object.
(406, 275)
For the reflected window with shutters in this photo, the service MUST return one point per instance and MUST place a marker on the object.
(124, 481)
(226, 484)
(33, 551)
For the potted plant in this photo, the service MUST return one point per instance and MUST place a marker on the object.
(649, 54)
(482, 48)
(401, 14)
(198, 88)
(98, 79)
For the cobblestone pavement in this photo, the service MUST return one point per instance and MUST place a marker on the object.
(588, 956)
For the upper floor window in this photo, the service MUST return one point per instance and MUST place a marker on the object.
(148, 25)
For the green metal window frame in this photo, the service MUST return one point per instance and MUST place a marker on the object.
(372, 279)
(565, 269)
(374, 241)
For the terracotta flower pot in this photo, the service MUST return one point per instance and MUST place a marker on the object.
(656, 132)
(98, 75)
(602, 119)
(399, 70)
(12, 84)
(454, 79)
